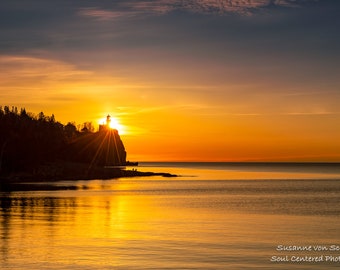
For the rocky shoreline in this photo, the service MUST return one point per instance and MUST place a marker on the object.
(53, 172)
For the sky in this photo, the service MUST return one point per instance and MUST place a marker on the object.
(195, 80)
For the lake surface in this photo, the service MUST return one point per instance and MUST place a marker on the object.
(214, 216)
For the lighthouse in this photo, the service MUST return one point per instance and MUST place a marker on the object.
(105, 126)
(108, 121)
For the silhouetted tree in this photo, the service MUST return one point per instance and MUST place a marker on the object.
(70, 130)
(41, 116)
(87, 127)
(28, 140)
(23, 112)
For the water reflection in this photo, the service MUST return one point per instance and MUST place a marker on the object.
(22, 216)
(139, 224)
(37, 227)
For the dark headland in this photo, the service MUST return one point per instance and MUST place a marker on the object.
(37, 148)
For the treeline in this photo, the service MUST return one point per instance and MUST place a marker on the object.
(27, 141)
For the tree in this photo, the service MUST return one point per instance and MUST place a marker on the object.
(87, 127)
(23, 112)
(70, 130)
(41, 116)
(52, 118)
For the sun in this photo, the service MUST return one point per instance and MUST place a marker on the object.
(113, 123)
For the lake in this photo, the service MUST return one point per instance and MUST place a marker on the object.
(213, 216)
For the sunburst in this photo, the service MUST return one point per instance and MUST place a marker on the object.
(113, 123)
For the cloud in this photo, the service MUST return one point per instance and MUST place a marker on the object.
(129, 9)
(315, 113)
(22, 68)
(155, 7)
(31, 79)
(100, 14)
(238, 5)
(132, 8)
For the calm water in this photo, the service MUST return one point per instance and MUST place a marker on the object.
(215, 216)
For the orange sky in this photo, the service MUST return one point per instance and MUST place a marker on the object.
(187, 86)
(171, 125)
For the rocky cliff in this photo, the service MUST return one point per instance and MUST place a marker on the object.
(103, 148)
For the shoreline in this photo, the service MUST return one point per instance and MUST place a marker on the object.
(54, 172)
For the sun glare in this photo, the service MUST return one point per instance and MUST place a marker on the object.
(113, 124)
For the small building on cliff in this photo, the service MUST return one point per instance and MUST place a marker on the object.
(105, 126)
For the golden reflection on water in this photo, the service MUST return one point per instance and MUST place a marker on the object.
(127, 231)
(163, 223)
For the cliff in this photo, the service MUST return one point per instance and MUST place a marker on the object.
(103, 148)
(38, 148)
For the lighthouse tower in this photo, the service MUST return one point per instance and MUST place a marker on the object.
(108, 121)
